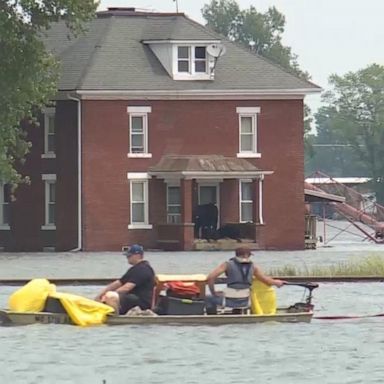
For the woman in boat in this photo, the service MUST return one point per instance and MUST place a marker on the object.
(134, 288)
(240, 272)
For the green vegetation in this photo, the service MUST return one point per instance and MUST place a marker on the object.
(29, 74)
(368, 266)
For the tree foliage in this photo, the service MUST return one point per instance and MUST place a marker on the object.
(261, 33)
(29, 73)
(248, 27)
(354, 115)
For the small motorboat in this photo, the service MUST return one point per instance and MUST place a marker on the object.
(185, 314)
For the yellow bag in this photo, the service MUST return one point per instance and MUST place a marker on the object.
(263, 299)
(31, 297)
(81, 310)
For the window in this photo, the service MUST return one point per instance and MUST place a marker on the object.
(192, 59)
(173, 204)
(246, 201)
(5, 208)
(50, 201)
(139, 201)
(138, 131)
(49, 133)
(248, 132)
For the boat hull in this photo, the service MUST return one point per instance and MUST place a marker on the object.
(8, 318)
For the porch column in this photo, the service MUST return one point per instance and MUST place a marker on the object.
(258, 218)
(186, 214)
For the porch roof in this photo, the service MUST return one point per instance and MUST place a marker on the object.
(205, 166)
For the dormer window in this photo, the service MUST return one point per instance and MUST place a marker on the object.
(191, 59)
(187, 59)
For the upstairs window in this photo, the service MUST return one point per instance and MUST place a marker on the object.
(5, 207)
(49, 133)
(192, 60)
(138, 131)
(248, 146)
(173, 204)
(246, 202)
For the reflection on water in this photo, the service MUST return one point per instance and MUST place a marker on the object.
(326, 352)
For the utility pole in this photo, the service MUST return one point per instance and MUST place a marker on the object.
(177, 6)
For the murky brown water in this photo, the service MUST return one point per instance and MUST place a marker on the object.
(323, 352)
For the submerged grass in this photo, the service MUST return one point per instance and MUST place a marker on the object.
(368, 266)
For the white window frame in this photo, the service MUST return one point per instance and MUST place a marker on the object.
(142, 112)
(139, 177)
(191, 74)
(48, 179)
(175, 215)
(251, 112)
(48, 113)
(3, 225)
(241, 201)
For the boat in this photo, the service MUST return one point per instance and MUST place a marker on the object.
(301, 312)
(9, 318)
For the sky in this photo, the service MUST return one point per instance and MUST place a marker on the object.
(329, 36)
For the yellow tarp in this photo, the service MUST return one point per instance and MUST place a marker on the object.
(263, 299)
(83, 311)
(31, 297)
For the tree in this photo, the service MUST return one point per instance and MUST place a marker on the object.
(355, 109)
(261, 32)
(29, 73)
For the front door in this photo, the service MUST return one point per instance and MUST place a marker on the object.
(209, 193)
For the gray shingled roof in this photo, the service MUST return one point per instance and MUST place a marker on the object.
(112, 56)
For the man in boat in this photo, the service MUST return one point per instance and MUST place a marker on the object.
(134, 288)
(240, 271)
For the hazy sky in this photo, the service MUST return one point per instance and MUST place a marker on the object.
(329, 36)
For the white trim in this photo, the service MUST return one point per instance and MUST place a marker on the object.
(141, 112)
(48, 180)
(48, 227)
(261, 220)
(241, 201)
(4, 227)
(248, 155)
(252, 113)
(48, 176)
(140, 226)
(48, 112)
(194, 42)
(248, 110)
(136, 109)
(173, 185)
(199, 94)
(138, 176)
(145, 224)
(225, 175)
(139, 155)
(50, 155)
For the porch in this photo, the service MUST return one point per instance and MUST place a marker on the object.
(229, 189)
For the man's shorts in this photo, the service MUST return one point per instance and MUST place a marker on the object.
(127, 301)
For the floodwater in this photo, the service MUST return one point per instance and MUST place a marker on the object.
(324, 351)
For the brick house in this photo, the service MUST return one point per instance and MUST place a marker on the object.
(154, 115)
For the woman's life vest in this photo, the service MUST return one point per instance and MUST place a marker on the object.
(239, 275)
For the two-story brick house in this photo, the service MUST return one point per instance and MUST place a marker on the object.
(154, 115)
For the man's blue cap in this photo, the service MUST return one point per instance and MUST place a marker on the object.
(134, 249)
